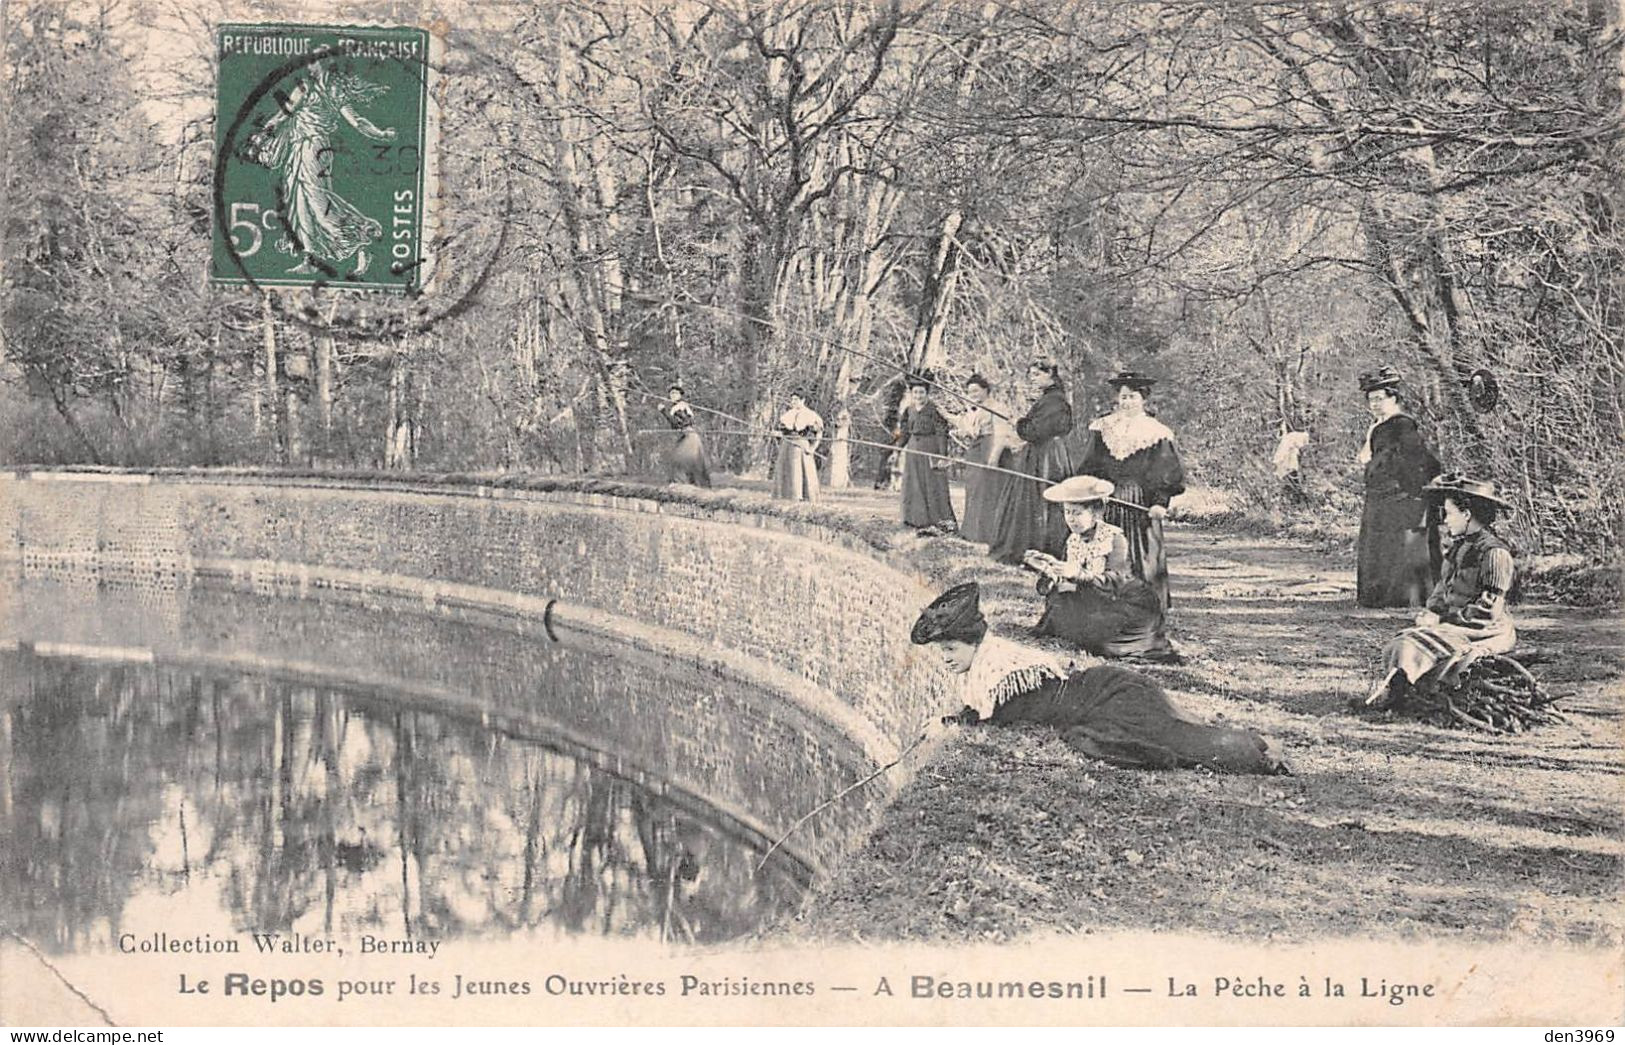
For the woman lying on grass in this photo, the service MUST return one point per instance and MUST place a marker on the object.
(1106, 712)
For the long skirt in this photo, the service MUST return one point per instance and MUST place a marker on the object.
(1122, 717)
(795, 477)
(984, 492)
(1398, 555)
(686, 463)
(1120, 618)
(1026, 521)
(1417, 651)
(1147, 552)
(925, 493)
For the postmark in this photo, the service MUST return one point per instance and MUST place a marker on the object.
(325, 142)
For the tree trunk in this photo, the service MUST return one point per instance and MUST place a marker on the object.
(270, 377)
(324, 390)
(840, 452)
(760, 340)
(595, 268)
(937, 294)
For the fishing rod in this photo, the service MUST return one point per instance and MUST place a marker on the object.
(819, 338)
(909, 450)
(754, 433)
(695, 406)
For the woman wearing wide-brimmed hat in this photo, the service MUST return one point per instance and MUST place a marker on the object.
(1136, 453)
(1091, 598)
(1104, 711)
(1025, 520)
(1398, 551)
(1467, 609)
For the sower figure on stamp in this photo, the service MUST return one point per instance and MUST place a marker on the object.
(1467, 610)
(1398, 552)
(1136, 453)
(926, 505)
(795, 476)
(685, 461)
(297, 143)
(1105, 712)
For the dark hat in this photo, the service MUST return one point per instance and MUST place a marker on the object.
(675, 386)
(979, 381)
(920, 379)
(1384, 376)
(956, 615)
(1454, 484)
(1141, 383)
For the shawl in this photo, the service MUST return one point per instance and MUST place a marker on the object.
(1125, 435)
(1001, 670)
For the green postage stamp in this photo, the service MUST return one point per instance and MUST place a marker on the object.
(324, 145)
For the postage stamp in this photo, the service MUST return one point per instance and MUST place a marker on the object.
(323, 142)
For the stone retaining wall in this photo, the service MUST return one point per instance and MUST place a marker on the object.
(796, 597)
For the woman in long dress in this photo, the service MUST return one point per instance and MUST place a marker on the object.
(1135, 452)
(685, 461)
(297, 143)
(1105, 712)
(926, 505)
(795, 476)
(1090, 598)
(987, 440)
(1026, 521)
(1467, 609)
(1398, 551)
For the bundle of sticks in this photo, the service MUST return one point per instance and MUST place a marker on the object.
(1493, 693)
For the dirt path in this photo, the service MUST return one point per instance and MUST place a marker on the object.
(1386, 828)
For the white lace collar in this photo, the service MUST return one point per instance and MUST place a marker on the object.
(1002, 669)
(799, 417)
(1091, 550)
(1125, 435)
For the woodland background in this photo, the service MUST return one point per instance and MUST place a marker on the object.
(1256, 201)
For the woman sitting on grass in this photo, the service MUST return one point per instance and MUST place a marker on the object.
(1467, 610)
(1106, 712)
(1091, 598)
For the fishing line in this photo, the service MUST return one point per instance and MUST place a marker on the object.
(756, 432)
(901, 368)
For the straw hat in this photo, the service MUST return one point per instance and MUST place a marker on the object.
(1454, 484)
(1080, 489)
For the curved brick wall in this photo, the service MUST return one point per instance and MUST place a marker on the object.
(814, 613)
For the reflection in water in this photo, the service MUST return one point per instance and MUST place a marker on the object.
(180, 796)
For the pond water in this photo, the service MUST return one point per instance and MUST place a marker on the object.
(179, 763)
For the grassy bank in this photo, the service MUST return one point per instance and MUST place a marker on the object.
(1386, 828)
(1564, 577)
